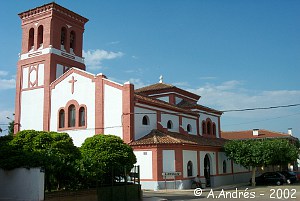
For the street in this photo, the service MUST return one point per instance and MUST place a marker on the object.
(240, 193)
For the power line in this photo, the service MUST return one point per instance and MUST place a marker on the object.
(262, 120)
(261, 108)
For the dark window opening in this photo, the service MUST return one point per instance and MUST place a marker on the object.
(63, 37)
(61, 118)
(189, 128)
(145, 120)
(72, 40)
(208, 128)
(40, 36)
(169, 124)
(31, 39)
(214, 129)
(72, 116)
(82, 116)
(203, 127)
(224, 167)
(190, 169)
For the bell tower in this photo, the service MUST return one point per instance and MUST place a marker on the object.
(52, 41)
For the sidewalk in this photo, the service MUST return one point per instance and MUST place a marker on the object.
(182, 192)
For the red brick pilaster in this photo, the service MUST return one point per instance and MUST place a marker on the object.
(128, 112)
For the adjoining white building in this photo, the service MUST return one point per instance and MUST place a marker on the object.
(165, 126)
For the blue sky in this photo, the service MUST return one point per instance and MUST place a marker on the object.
(234, 54)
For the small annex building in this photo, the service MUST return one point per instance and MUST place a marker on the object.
(166, 127)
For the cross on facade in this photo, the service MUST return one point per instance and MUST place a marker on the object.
(72, 81)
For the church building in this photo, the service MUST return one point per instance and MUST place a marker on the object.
(173, 137)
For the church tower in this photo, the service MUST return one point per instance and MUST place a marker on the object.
(52, 41)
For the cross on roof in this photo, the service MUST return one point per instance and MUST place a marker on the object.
(72, 81)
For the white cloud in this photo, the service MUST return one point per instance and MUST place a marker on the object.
(138, 83)
(231, 95)
(181, 84)
(3, 73)
(7, 84)
(94, 58)
(208, 78)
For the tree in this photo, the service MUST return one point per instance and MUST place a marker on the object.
(102, 154)
(283, 152)
(257, 153)
(55, 152)
(11, 127)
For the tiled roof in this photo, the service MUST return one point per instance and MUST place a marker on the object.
(189, 105)
(165, 88)
(157, 137)
(154, 87)
(248, 134)
(156, 102)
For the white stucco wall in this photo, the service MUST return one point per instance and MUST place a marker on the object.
(32, 109)
(22, 184)
(213, 162)
(113, 111)
(144, 160)
(141, 130)
(41, 75)
(25, 78)
(175, 120)
(214, 119)
(192, 122)
(187, 156)
(84, 93)
(221, 158)
(168, 160)
(164, 98)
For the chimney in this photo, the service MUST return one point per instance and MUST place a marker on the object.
(255, 132)
(290, 131)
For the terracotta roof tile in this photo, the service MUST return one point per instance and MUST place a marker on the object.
(154, 87)
(248, 134)
(156, 137)
(189, 105)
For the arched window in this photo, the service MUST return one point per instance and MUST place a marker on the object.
(63, 37)
(208, 127)
(145, 120)
(189, 128)
(214, 129)
(170, 124)
(72, 116)
(61, 119)
(203, 127)
(72, 41)
(190, 169)
(82, 116)
(40, 36)
(31, 39)
(224, 166)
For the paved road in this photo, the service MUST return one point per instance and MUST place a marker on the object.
(240, 193)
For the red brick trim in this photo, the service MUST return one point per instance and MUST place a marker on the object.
(99, 104)
(128, 112)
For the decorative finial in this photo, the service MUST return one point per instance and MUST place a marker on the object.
(161, 79)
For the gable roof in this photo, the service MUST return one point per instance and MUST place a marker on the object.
(165, 88)
(157, 137)
(155, 102)
(188, 105)
(248, 134)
